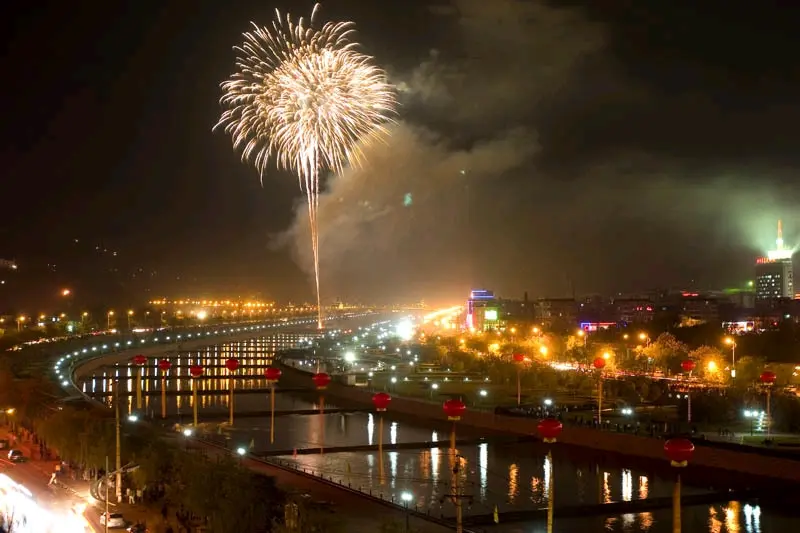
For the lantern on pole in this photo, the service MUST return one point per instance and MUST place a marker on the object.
(679, 451)
(455, 409)
(164, 366)
(232, 365)
(381, 400)
(519, 359)
(273, 375)
(321, 381)
(767, 378)
(139, 360)
(688, 366)
(196, 371)
(550, 429)
(599, 363)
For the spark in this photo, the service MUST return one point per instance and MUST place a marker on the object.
(305, 96)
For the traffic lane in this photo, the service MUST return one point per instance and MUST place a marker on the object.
(50, 497)
(362, 514)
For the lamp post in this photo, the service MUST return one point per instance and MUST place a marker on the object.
(273, 375)
(232, 365)
(164, 367)
(407, 497)
(321, 381)
(550, 429)
(732, 343)
(679, 451)
(767, 379)
(454, 409)
(118, 438)
(196, 371)
(20, 320)
(139, 361)
(687, 366)
(108, 319)
(599, 363)
(381, 401)
(519, 359)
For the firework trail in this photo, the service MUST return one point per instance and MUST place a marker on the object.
(306, 96)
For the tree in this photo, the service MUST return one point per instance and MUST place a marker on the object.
(710, 364)
(666, 352)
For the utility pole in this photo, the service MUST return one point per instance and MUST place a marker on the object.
(118, 462)
(108, 478)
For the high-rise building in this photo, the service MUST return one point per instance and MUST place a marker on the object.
(775, 272)
(483, 312)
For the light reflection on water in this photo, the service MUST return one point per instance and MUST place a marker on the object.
(730, 517)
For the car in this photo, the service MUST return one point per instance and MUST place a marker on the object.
(114, 520)
(15, 456)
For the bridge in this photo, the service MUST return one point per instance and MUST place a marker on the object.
(391, 447)
(216, 392)
(206, 416)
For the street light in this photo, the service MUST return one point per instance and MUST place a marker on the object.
(407, 497)
(130, 315)
(108, 319)
(732, 343)
(20, 320)
(241, 451)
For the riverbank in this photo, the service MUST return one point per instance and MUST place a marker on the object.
(750, 462)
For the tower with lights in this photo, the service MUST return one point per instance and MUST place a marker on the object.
(775, 272)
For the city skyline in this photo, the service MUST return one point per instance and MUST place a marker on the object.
(600, 157)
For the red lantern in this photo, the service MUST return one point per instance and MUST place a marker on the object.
(679, 451)
(550, 429)
(196, 371)
(768, 377)
(688, 365)
(232, 364)
(164, 365)
(599, 363)
(139, 360)
(272, 374)
(321, 380)
(454, 409)
(381, 401)
(518, 357)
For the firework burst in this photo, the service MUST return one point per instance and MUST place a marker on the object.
(305, 96)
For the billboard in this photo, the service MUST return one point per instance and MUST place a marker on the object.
(490, 315)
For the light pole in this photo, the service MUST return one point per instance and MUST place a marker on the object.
(273, 375)
(732, 343)
(139, 360)
(519, 358)
(130, 316)
(164, 366)
(767, 378)
(454, 409)
(679, 451)
(118, 455)
(108, 319)
(550, 429)
(407, 497)
(599, 363)
(196, 371)
(231, 365)
(381, 401)
(20, 320)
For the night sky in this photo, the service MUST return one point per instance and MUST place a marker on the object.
(609, 148)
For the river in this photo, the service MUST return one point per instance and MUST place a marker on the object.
(508, 476)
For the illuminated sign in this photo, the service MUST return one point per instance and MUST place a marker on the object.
(480, 294)
(595, 326)
(490, 314)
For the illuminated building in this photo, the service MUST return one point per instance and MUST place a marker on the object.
(482, 311)
(775, 272)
